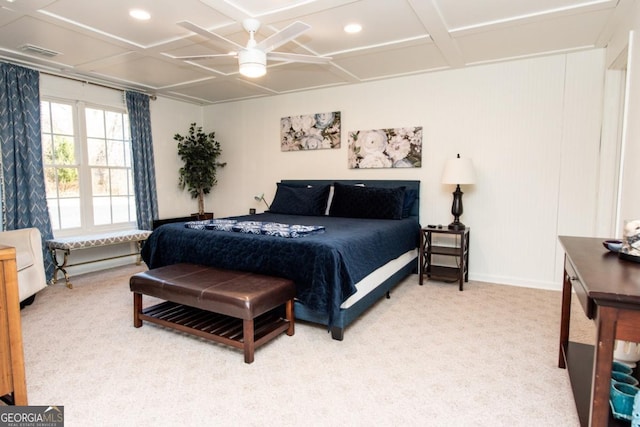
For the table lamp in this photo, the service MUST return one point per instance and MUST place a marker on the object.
(458, 171)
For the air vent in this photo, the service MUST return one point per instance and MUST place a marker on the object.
(31, 48)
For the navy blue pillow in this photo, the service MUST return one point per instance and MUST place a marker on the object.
(410, 197)
(300, 200)
(354, 201)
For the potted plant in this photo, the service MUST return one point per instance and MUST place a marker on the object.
(199, 151)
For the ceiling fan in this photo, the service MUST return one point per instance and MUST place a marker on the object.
(252, 58)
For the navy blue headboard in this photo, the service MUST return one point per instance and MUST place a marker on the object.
(415, 210)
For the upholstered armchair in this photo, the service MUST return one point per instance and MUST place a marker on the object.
(31, 275)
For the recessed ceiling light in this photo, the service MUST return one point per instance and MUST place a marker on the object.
(352, 28)
(140, 14)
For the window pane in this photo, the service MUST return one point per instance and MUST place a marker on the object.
(70, 213)
(52, 204)
(47, 149)
(114, 125)
(127, 154)
(64, 150)
(120, 206)
(62, 116)
(95, 123)
(100, 182)
(50, 182)
(132, 208)
(101, 210)
(116, 153)
(68, 183)
(119, 184)
(125, 120)
(131, 191)
(96, 151)
(45, 118)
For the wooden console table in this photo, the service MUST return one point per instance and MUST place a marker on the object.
(13, 386)
(608, 289)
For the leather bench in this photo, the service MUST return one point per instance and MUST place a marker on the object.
(236, 308)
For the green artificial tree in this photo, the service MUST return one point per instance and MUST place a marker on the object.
(199, 151)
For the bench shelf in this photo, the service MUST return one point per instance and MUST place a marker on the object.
(213, 326)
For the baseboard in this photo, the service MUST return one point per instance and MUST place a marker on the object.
(517, 281)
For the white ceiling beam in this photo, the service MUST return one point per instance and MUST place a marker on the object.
(621, 17)
(544, 15)
(431, 18)
(236, 12)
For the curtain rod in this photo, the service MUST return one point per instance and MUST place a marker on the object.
(40, 69)
(77, 79)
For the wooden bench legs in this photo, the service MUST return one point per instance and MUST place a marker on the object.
(245, 334)
(137, 309)
(249, 332)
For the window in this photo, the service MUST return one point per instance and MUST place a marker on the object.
(87, 163)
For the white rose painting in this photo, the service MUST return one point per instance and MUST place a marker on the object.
(310, 132)
(386, 148)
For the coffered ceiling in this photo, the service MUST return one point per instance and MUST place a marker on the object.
(98, 41)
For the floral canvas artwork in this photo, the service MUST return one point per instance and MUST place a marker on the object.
(310, 132)
(386, 148)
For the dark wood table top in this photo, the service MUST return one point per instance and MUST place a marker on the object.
(605, 277)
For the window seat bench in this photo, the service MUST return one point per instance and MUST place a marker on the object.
(67, 244)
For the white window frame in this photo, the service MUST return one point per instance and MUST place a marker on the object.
(84, 170)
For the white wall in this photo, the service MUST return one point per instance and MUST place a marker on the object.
(629, 201)
(169, 117)
(623, 53)
(532, 128)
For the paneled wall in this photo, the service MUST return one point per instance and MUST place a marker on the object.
(630, 202)
(532, 128)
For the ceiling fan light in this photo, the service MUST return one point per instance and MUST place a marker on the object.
(253, 70)
(253, 63)
(140, 14)
(352, 28)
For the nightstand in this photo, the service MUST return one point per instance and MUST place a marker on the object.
(458, 248)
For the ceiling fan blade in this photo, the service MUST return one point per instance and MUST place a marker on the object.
(281, 37)
(296, 57)
(219, 41)
(197, 57)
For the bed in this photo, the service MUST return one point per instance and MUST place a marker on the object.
(358, 248)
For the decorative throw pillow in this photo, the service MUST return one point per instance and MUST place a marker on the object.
(300, 200)
(410, 197)
(367, 202)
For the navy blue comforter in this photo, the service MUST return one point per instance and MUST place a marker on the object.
(325, 266)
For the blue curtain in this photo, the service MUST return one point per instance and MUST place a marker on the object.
(144, 178)
(24, 200)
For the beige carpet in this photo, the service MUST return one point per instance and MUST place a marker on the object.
(430, 355)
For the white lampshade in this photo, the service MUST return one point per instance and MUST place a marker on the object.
(253, 63)
(458, 171)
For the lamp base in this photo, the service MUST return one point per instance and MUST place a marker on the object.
(456, 210)
(456, 226)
